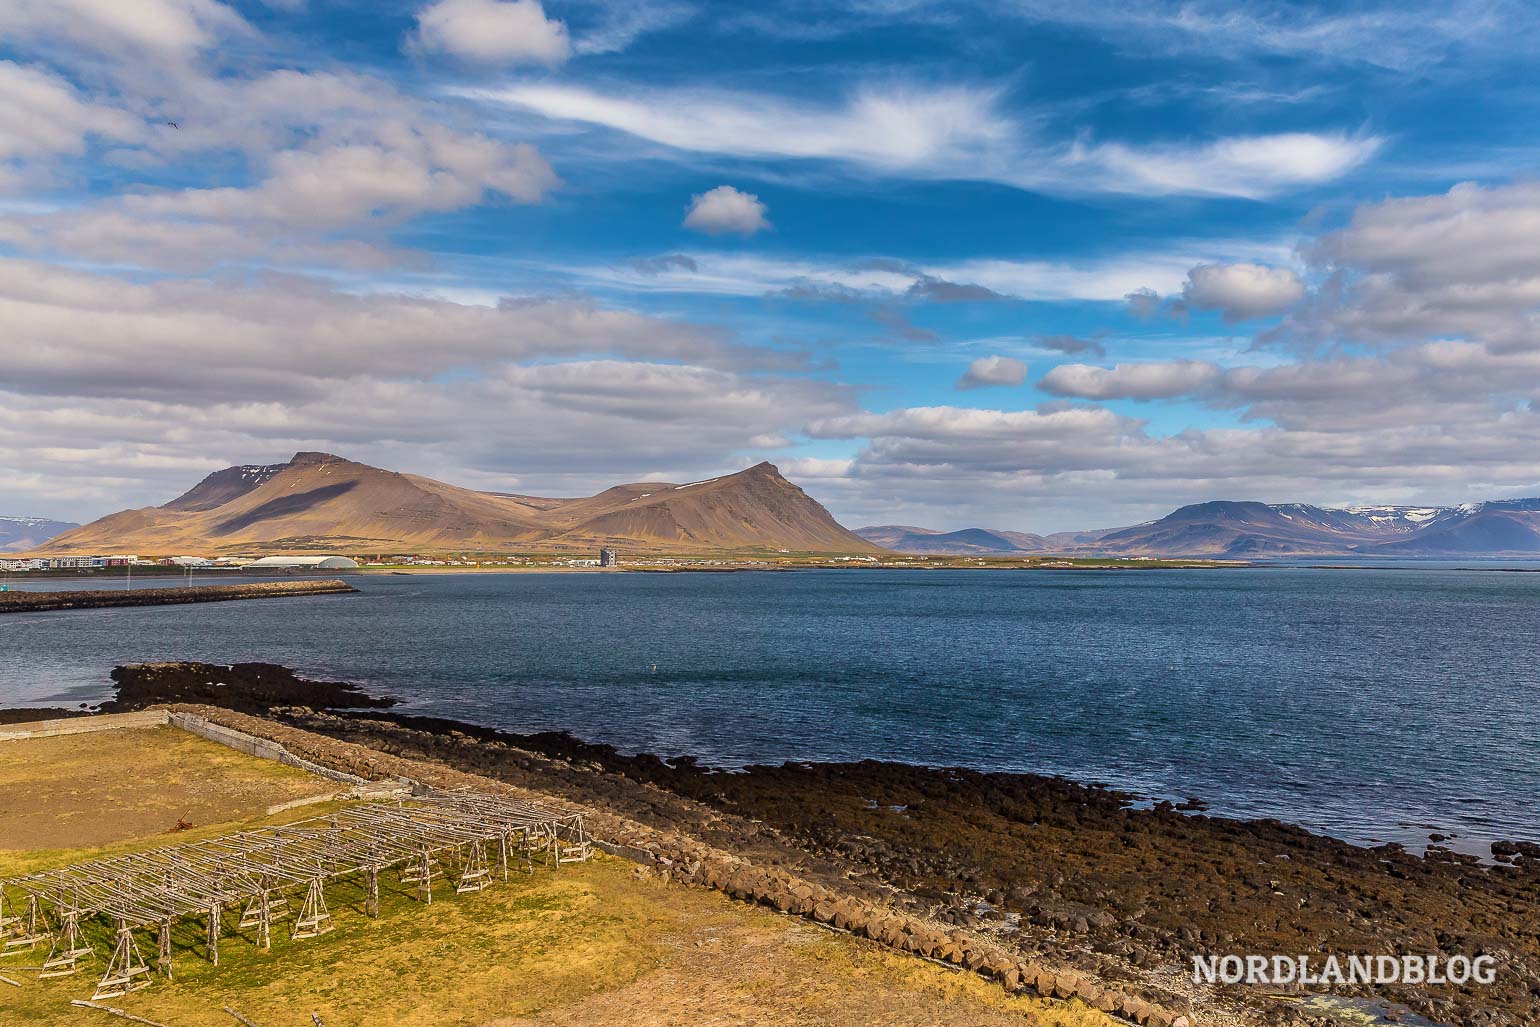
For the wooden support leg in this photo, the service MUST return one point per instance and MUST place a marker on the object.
(264, 922)
(214, 934)
(163, 964)
(372, 891)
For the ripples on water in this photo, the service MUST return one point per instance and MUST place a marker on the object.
(1373, 704)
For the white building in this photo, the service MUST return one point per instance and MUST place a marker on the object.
(303, 563)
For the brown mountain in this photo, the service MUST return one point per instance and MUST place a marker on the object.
(320, 501)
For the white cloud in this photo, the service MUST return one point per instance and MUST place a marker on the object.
(493, 32)
(163, 28)
(726, 210)
(1461, 264)
(1156, 380)
(43, 116)
(1242, 291)
(75, 332)
(328, 154)
(1251, 166)
(894, 128)
(953, 132)
(995, 370)
(1106, 279)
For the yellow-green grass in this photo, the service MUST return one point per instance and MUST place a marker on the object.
(583, 944)
(70, 791)
(597, 943)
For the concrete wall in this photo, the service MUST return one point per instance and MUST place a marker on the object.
(254, 746)
(83, 725)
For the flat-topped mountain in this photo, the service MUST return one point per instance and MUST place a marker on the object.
(321, 501)
(905, 538)
(1247, 530)
(19, 534)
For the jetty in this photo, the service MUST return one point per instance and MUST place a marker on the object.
(95, 599)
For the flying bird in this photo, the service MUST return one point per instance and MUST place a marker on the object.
(172, 124)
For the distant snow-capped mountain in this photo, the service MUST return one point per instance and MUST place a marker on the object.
(19, 534)
(1509, 527)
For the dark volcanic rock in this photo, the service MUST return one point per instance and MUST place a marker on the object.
(24, 716)
(248, 687)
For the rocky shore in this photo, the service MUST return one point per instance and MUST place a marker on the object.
(35, 602)
(1029, 879)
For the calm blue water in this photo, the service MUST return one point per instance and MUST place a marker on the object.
(1371, 704)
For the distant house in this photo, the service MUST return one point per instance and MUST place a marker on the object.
(609, 558)
(303, 563)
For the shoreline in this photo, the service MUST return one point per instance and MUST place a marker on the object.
(1060, 869)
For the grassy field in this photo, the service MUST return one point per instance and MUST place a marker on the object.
(599, 943)
(80, 790)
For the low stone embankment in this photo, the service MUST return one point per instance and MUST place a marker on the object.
(679, 857)
(35, 602)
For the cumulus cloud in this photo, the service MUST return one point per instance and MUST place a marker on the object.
(725, 210)
(326, 153)
(1461, 263)
(1156, 380)
(75, 332)
(1241, 292)
(995, 370)
(157, 28)
(493, 32)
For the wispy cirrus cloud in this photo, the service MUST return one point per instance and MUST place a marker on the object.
(1396, 36)
(923, 131)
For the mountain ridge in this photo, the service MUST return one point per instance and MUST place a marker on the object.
(323, 501)
(1254, 530)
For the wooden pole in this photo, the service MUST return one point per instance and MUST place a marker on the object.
(372, 891)
(115, 1012)
(164, 962)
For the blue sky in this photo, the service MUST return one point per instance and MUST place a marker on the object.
(1034, 265)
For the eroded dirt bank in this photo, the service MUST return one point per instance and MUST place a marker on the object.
(1048, 868)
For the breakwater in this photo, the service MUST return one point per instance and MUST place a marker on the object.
(34, 602)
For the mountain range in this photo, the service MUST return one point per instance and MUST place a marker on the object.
(1246, 530)
(318, 501)
(19, 534)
